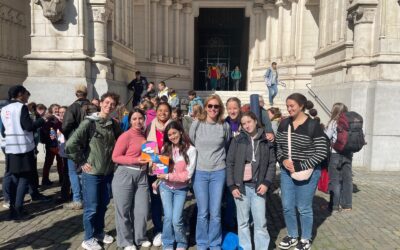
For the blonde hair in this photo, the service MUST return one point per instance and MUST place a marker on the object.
(220, 118)
(337, 109)
(197, 110)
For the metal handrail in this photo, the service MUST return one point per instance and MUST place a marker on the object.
(319, 101)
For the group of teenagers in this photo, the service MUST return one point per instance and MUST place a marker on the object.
(228, 160)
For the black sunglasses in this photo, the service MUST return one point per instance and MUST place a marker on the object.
(210, 106)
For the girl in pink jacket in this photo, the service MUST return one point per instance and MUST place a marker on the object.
(174, 185)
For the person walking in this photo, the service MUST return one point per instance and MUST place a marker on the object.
(129, 185)
(174, 185)
(271, 80)
(210, 135)
(304, 151)
(193, 100)
(250, 171)
(91, 146)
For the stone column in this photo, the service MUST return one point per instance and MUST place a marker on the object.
(166, 4)
(362, 15)
(268, 11)
(126, 22)
(187, 10)
(154, 19)
(293, 39)
(280, 4)
(257, 23)
(322, 21)
(177, 8)
(117, 20)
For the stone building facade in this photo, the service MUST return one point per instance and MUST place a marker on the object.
(349, 50)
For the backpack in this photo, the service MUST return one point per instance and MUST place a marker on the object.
(350, 135)
(86, 109)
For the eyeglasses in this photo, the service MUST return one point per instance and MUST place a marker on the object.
(210, 106)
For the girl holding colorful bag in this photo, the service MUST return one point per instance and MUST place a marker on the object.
(174, 185)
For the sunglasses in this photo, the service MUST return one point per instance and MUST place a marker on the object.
(210, 106)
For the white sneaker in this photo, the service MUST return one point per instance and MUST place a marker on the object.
(91, 244)
(105, 238)
(133, 247)
(6, 204)
(157, 242)
(146, 244)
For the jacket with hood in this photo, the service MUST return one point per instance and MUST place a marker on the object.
(96, 150)
(240, 152)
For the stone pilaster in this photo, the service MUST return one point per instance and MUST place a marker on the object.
(293, 39)
(257, 10)
(361, 15)
(280, 4)
(166, 4)
(187, 10)
(177, 9)
(268, 32)
(154, 20)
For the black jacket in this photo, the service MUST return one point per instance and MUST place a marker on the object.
(138, 86)
(237, 155)
(72, 117)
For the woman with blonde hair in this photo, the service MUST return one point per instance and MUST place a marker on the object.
(210, 135)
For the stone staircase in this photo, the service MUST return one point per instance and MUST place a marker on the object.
(244, 97)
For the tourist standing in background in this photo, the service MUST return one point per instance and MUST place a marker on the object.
(236, 76)
(137, 85)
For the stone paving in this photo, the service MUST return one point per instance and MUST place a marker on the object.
(374, 222)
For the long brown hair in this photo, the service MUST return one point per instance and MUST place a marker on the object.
(220, 118)
(184, 142)
(337, 109)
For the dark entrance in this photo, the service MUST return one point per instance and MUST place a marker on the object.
(221, 39)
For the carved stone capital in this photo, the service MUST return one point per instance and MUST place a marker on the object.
(177, 6)
(5, 12)
(100, 14)
(361, 14)
(166, 2)
(52, 9)
(187, 9)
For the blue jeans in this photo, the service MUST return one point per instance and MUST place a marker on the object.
(173, 201)
(208, 189)
(272, 92)
(74, 178)
(96, 199)
(254, 203)
(298, 194)
(18, 185)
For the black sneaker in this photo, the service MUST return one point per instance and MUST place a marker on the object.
(288, 242)
(303, 245)
(47, 183)
(40, 198)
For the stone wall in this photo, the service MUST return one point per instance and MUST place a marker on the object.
(14, 43)
(358, 63)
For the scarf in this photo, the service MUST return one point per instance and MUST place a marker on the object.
(155, 124)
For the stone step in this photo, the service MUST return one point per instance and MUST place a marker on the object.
(244, 97)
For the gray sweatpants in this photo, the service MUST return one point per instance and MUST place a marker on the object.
(131, 199)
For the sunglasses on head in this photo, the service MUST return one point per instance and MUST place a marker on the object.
(210, 106)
